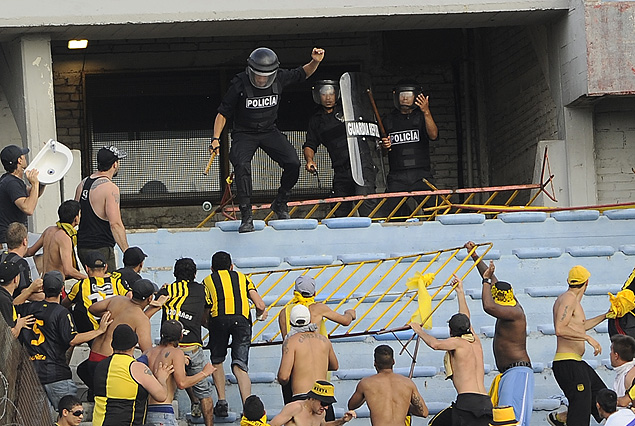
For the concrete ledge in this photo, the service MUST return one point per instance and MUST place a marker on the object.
(628, 249)
(591, 251)
(293, 224)
(545, 291)
(420, 371)
(309, 260)
(602, 327)
(270, 298)
(537, 252)
(347, 222)
(199, 420)
(602, 290)
(547, 329)
(576, 215)
(547, 404)
(257, 262)
(259, 377)
(233, 225)
(491, 255)
(523, 217)
(360, 257)
(462, 219)
(620, 214)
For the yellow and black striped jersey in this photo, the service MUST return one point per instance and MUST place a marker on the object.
(88, 291)
(230, 293)
(187, 302)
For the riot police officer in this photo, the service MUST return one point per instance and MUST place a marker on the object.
(326, 128)
(410, 127)
(252, 101)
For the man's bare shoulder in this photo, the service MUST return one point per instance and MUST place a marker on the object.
(567, 297)
(318, 308)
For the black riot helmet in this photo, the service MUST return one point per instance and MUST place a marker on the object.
(410, 89)
(262, 66)
(324, 87)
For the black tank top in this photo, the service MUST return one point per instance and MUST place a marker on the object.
(93, 232)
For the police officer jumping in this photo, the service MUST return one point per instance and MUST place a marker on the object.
(252, 101)
(410, 129)
(327, 128)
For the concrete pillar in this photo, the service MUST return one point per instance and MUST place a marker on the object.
(27, 78)
(581, 173)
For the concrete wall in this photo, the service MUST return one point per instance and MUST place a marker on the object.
(520, 110)
(614, 130)
(10, 133)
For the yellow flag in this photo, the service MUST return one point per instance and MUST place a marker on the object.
(420, 282)
(621, 304)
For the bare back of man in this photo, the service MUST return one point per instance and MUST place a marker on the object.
(124, 311)
(306, 358)
(467, 366)
(58, 253)
(101, 190)
(164, 355)
(389, 397)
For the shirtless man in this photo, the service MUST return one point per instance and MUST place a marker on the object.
(391, 397)
(101, 226)
(516, 379)
(58, 243)
(124, 311)
(311, 411)
(579, 382)
(161, 413)
(464, 364)
(304, 294)
(308, 355)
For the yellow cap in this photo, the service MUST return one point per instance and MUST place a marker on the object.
(503, 416)
(578, 275)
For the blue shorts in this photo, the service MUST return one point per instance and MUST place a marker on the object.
(516, 388)
(161, 415)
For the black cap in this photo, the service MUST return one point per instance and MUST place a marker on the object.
(133, 256)
(124, 338)
(95, 259)
(171, 331)
(10, 155)
(107, 155)
(53, 281)
(143, 288)
(459, 325)
(8, 271)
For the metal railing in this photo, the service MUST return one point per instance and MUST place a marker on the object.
(354, 284)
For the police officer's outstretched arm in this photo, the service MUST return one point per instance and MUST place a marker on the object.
(424, 105)
(316, 57)
(219, 125)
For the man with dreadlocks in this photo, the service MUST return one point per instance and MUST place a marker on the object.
(514, 386)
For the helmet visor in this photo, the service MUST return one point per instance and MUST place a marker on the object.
(261, 80)
(404, 98)
(326, 95)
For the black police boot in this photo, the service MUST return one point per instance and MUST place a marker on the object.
(246, 219)
(279, 206)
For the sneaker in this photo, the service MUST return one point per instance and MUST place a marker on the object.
(552, 419)
(221, 409)
(195, 411)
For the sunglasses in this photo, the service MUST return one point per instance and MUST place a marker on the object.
(78, 413)
(324, 404)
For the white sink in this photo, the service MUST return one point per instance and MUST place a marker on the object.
(53, 162)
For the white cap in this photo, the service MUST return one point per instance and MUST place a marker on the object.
(300, 316)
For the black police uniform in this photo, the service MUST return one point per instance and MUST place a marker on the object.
(328, 129)
(409, 155)
(255, 112)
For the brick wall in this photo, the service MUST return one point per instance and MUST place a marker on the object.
(520, 109)
(615, 150)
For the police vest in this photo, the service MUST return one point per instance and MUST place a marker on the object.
(410, 146)
(257, 109)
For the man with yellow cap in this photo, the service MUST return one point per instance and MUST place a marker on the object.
(514, 386)
(576, 378)
(311, 411)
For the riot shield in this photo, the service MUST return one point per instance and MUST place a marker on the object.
(359, 118)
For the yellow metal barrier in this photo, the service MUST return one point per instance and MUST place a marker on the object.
(353, 283)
